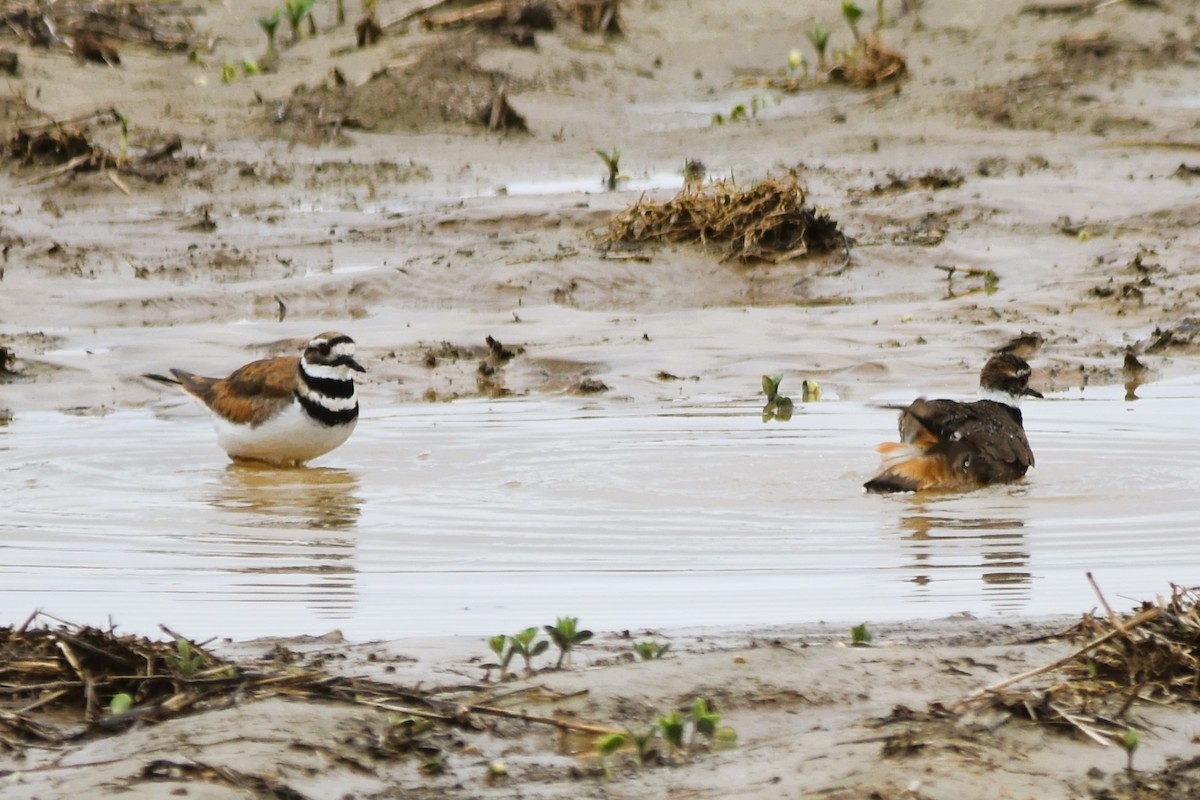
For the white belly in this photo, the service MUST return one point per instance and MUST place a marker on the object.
(290, 437)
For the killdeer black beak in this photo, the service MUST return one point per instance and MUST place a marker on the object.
(1029, 390)
(348, 361)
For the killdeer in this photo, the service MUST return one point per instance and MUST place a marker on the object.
(284, 410)
(945, 444)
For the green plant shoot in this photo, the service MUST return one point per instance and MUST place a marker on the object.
(565, 635)
(852, 12)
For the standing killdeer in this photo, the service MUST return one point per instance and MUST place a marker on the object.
(284, 410)
(945, 444)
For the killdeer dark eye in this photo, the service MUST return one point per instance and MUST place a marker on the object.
(323, 348)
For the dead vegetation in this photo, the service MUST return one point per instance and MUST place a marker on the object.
(1151, 656)
(88, 29)
(61, 147)
(767, 221)
(61, 682)
(515, 19)
(869, 64)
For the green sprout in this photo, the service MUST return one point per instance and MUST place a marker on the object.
(525, 646)
(296, 11)
(120, 703)
(810, 391)
(504, 652)
(565, 635)
(613, 162)
(860, 636)
(186, 660)
(670, 728)
(249, 66)
(778, 407)
(651, 651)
(819, 36)
(703, 719)
(707, 723)
(606, 746)
(1130, 740)
(852, 12)
(642, 740)
(228, 73)
(880, 15)
(270, 24)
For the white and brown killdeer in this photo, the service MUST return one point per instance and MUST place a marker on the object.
(284, 410)
(945, 444)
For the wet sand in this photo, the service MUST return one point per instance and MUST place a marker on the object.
(420, 232)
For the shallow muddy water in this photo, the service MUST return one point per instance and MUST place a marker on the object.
(482, 517)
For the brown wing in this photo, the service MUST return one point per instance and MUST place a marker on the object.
(250, 394)
(992, 436)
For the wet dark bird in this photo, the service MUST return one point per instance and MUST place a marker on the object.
(947, 444)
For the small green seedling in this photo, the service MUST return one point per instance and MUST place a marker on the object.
(705, 720)
(499, 645)
(296, 11)
(120, 703)
(651, 651)
(860, 636)
(270, 24)
(1130, 740)
(186, 661)
(778, 407)
(565, 635)
(643, 742)
(795, 59)
(880, 15)
(818, 35)
(810, 391)
(228, 73)
(525, 646)
(613, 162)
(707, 723)
(670, 728)
(852, 12)
(606, 746)
(249, 66)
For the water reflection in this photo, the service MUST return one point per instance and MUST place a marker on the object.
(320, 497)
(269, 505)
(994, 549)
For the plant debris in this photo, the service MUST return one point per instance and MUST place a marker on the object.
(58, 682)
(1152, 656)
(165, 26)
(67, 146)
(869, 64)
(767, 221)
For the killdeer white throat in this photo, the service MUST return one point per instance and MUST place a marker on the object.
(945, 444)
(284, 410)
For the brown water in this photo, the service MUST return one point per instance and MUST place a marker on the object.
(482, 517)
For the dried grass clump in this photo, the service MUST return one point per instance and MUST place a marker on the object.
(869, 64)
(767, 221)
(1152, 655)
